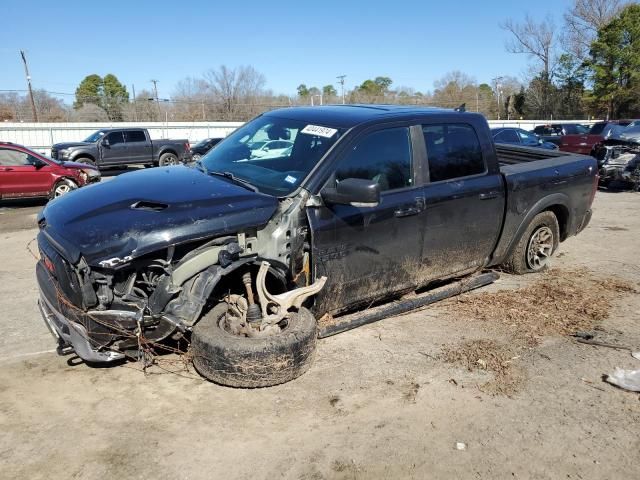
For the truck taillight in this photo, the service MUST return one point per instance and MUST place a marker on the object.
(187, 146)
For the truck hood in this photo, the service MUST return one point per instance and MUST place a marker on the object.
(140, 212)
(62, 146)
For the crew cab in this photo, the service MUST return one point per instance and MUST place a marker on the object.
(110, 147)
(243, 256)
(25, 173)
(584, 143)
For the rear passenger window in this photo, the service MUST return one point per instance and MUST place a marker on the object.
(136, 136)
(383, 156)
(453, 151)
(507, 136)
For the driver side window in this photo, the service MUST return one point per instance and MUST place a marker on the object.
(383, 156)
(13, 158)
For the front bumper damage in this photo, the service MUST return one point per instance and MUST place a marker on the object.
(69, 334)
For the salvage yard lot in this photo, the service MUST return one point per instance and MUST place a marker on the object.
(389, 400)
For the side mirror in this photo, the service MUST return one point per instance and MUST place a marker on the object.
(105, 142)
(38, 163)
(357, 192)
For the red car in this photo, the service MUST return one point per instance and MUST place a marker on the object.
(585, 143)
(25, 173)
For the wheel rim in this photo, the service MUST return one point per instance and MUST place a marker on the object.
(61, 190)
(540, 248)
(196, 157)
(170, 160)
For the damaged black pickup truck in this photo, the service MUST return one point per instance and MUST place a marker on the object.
(240, 257)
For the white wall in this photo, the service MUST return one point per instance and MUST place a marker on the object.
(40, 136)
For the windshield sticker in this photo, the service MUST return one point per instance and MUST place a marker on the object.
(319, 131)
(290, 179)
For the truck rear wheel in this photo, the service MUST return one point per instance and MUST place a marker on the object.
(536, 246)
(167, 159)
(238, 361)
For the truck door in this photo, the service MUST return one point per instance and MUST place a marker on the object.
(138, 146)
(114, 150)
(464, 199)
(367, 253)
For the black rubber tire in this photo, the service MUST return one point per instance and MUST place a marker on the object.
(517, 262)
(237, 361)
(65, 181)
(167, 159)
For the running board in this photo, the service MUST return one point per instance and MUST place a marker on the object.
(357, 319)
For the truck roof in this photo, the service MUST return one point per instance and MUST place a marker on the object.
(347, 116)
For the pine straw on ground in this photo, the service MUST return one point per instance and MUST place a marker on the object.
(560, 302)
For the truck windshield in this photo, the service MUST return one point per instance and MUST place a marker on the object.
(271, 153)
(94, 137)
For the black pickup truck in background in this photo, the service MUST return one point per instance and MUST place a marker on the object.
(369, 203)
(110, 147)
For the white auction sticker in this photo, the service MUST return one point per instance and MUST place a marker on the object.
(319, 131)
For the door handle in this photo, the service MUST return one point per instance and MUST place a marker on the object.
(488, 195)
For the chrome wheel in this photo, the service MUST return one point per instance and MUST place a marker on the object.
(168, 159)
(62, 189)
(540, 248)
(196, 157)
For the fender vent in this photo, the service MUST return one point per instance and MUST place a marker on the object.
(147, 205)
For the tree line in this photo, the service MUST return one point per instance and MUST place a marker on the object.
(587, 67)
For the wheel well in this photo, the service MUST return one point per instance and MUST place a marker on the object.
(82, 156)
(168, 151)
(562, 215)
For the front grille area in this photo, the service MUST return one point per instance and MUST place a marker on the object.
(54, 153)
(63, 278)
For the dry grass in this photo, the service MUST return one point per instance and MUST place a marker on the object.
(492, 357)
(560, 302)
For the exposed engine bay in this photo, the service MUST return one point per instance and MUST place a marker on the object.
(619, 160)
(123, 304)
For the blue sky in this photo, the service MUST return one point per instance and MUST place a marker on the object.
(413, 42)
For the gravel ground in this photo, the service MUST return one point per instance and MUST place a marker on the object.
(389, 400)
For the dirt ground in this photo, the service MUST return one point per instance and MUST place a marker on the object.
(408, 397)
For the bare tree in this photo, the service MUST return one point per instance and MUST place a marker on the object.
(538, 41)
(235, 87)
(583, 20)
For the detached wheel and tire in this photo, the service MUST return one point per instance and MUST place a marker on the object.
(167, 159)
(536, 246)
(63, 187)
(239, 361)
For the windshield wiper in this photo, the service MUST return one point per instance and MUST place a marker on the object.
(234, 179)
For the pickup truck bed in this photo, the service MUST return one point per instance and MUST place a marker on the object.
(561, 179)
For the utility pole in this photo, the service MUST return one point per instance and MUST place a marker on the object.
(155, 91)
(135, 107)
(26, 72)
(341, 81)
(498, 88)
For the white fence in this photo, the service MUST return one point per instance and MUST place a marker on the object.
(40, 136)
